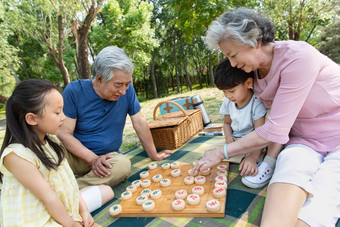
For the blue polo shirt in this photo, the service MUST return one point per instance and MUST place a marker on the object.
(100, 123)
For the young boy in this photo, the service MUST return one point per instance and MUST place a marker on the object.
(242, 113)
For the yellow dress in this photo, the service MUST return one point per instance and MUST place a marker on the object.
(19, 207)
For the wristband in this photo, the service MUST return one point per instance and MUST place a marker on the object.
(225, 151)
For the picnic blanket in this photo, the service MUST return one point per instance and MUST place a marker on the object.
(243, 206)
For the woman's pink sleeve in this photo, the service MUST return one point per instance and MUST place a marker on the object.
(295, 83)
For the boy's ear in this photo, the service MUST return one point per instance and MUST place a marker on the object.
(249, 82)
(31, 119)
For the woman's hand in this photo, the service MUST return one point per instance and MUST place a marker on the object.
(210, 159)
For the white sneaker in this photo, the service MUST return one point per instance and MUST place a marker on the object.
(262, 177)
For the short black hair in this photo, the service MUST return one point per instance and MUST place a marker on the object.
(227, 77)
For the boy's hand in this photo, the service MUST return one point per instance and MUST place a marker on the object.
(248, 166)
(230, 139)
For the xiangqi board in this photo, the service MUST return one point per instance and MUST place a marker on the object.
(163, 205)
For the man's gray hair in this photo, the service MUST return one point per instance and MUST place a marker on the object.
(111, 58)
(242, 26)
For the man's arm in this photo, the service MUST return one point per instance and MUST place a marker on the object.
(144, 134)
(74, 146)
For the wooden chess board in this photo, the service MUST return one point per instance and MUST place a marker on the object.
(163, 206)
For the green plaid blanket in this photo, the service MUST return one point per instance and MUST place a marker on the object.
(243, 206)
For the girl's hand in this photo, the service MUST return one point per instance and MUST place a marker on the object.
(248, 166)
(76, 224)
(87, 219)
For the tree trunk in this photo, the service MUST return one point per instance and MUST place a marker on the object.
(83, 54)
(172, 80)
(176, 65)
(218, 56)
(75, 63)
(145, 83)
(60, 61)
(186, 71)
(91, 50)
(21, 57)
(17, 80)
(211, 71)
(198, 71)
(80, 35)
(290, 22)
(153, 78)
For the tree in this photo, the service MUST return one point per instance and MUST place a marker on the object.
(126, 24)
(80, 32)
(330, 41)
(201, 13)
(38, 20)
(299, 19)
(8, 57)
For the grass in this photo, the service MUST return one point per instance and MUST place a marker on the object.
(211, 97)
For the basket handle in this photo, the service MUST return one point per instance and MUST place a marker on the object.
(171, 102)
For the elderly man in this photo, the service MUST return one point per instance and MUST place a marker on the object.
(95, 118)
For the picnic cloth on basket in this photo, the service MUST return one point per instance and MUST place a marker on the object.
(243, 206)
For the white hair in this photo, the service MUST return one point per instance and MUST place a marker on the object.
(111, 58)
(242, 26)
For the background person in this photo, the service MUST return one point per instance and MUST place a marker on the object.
(301, 86)
(96, 111)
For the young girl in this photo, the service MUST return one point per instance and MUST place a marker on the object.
(39, 187)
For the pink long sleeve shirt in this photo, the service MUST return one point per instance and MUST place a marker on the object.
(302, 89)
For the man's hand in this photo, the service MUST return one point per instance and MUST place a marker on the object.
(163, 155)
(210, 159)
(100, 165)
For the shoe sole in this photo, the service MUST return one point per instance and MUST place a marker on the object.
(252, 185)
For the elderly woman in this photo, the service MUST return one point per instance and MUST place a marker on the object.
(301, 86)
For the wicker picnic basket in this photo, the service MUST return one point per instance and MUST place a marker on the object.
(173, 129)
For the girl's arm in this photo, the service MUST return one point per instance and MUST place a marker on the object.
(30, 177)
(84, 212)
